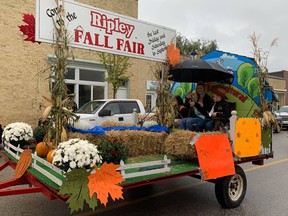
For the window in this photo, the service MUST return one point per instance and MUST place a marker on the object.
(70, 74)
(90, 107)
(127, 107)
(85, 79)
(113, 107)
(90, 75)
(87, 84)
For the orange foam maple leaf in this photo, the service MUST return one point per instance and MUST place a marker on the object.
(104, 182)
(173, 54)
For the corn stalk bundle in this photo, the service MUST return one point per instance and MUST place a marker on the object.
(59, 112)
(165, 102)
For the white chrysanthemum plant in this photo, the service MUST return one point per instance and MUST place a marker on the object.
(76, 153)
(17, 133)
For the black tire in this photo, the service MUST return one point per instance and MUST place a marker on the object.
(230, 190)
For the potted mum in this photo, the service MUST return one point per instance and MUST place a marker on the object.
(112, 151)
(17, 133)
(76, 153)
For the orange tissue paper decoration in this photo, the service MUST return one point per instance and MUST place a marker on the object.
(104, 182)
(173, 54)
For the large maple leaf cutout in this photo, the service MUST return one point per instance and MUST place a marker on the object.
(29, 29)
(76, 187)
(173, 54)
(23, 163)
(104, 182)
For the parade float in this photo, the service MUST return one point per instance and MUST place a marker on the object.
(88, 168)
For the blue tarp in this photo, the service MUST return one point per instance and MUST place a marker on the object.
(96, 130)
(101, 130)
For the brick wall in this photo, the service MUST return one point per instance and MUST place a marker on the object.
(23, 64)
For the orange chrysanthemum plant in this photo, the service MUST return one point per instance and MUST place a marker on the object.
(173, 54)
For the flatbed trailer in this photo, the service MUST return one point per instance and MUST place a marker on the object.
(43, 177)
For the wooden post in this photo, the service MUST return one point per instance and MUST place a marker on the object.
(134, 117)
(233, 120)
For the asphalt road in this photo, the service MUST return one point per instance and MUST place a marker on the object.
(267, 194)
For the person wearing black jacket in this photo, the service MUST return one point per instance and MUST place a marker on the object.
(199, 103)
(220, 112)
(181, 112)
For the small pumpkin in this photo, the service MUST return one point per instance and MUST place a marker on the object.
(42, 149)
(50, 156)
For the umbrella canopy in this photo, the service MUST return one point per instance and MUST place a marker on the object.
(194, 70)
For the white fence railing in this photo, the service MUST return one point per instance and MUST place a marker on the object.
(16, 154)
(124, 167)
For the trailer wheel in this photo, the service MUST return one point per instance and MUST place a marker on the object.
(230, 190)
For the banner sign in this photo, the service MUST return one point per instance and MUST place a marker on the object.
(96, 29)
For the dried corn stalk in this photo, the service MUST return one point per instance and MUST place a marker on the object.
(261, 58)
(59, 112)
(165, 102)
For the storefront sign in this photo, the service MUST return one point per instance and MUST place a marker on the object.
(96, 29)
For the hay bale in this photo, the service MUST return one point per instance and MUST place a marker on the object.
(92, 138)
(139, 143)
(177, 144)
(115, 123)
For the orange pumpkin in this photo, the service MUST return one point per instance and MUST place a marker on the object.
(42, 149)
(50, 156)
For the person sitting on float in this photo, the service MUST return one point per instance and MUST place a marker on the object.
(181, 112)
(199, 104)
(220, 112)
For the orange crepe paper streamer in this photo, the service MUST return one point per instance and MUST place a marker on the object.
(215, 156)
(173, 54)
(23, 163)
(247, 137)
(104, 182)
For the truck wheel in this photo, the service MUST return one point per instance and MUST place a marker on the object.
(230, 190)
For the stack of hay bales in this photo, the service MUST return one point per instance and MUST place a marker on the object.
(142, 143)
(139, 143)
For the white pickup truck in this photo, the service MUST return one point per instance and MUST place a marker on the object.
(94, 113)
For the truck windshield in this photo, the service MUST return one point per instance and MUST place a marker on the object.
(284, 109)
(90, 107)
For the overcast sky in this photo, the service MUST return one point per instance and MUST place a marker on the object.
(229, 22)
